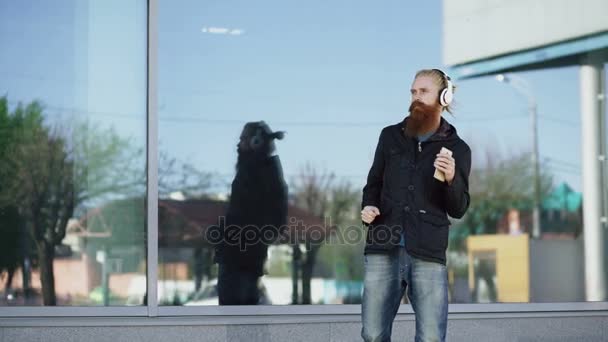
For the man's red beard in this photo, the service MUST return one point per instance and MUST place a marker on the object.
(421, 119)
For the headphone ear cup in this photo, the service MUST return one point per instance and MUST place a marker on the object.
(446, 96)
(449, 96)
(443, 97)
(256, 140)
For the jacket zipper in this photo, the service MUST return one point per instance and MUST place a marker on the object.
(420, 146)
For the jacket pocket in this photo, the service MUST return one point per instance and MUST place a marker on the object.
(433, 231)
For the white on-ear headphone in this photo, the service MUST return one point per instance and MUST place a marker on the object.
(447, 94)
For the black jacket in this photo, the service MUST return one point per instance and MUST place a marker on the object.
(401, 185)
(256, 216)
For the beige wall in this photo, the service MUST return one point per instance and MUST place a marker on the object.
(512, 264)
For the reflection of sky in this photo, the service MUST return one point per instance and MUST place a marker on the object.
(81, 59)
(330, 73)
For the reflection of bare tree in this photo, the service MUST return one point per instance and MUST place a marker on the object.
(175, 176)
(344, 212)
(316, 192)
(310, 194)
(50, 171)
(178, 176)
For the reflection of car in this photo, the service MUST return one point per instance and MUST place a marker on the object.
(207, 295)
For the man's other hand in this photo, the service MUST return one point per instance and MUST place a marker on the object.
(369, 213)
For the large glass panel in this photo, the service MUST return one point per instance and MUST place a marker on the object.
(331, 75)
(495, 253)
(72, 152)
(532, 97)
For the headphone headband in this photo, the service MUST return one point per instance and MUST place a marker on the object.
(447, 78)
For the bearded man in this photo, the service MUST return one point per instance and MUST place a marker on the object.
(418, 177)
(255, 218)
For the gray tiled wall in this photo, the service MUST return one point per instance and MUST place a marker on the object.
(555, 329)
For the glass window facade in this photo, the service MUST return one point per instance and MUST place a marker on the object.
(332, 76)
(72, 151)
(307, 86)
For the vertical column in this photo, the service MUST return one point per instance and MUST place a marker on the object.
(152, 164)
(591, 74)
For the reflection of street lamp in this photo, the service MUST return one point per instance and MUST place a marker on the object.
(522, 86)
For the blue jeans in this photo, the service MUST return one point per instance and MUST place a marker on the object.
(387, 276)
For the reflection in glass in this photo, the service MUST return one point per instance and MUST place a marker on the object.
(334, 85)
(484, 286)
(251, 224)
(72, 152)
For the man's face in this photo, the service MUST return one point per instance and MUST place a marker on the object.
(424, 108)
(424, 90)
(243, 145)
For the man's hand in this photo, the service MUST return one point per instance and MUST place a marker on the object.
(369, 213)
(447, 165)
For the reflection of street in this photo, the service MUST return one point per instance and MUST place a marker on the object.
(277, 291)
(33, 297)
(273, 291)
(77, 282)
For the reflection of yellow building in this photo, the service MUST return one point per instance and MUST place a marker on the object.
(512, 264)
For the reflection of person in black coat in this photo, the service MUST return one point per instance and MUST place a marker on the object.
(256, 212)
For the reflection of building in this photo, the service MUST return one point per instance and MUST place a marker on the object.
(184, 223)
(183, 239)
(512, 268)
(78, 270)
(112, 236)
(184, 253)
(501, 262)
